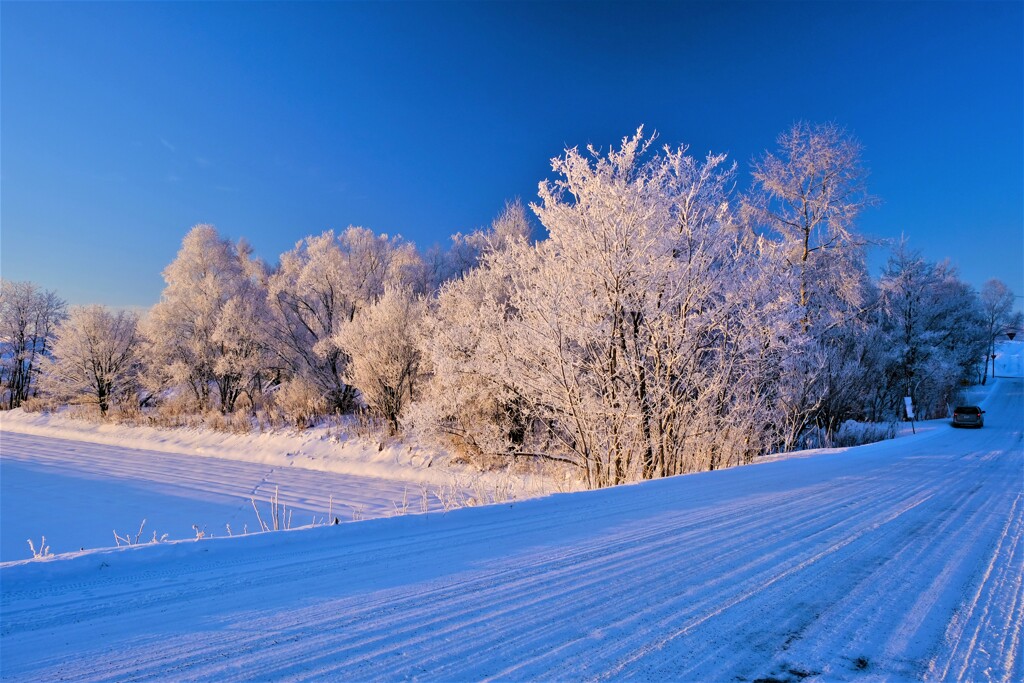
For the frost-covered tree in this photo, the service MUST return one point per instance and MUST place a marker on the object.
(807, 197)
(207, 334)
(28, 319)
(319, 287)
(469, 396)
(244, 362)
(614, 329)
(997, 307)
(467, 251)
(804, 204)
(381, 342)
(932, 334)
(94, 358)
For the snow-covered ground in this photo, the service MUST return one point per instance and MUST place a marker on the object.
(897, 560)
(324, 449)
(1010, 359)
(77, 493)
(77, 482)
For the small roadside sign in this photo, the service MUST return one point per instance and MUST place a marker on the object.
(909, 402)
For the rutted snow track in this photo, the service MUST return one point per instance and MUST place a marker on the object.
(897, 560)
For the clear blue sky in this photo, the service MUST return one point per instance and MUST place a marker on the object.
(123, 124)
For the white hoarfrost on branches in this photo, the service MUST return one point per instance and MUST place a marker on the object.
(467, 251)
(319, 287)
(804, 205)
(808, 197)
(469, 396)
(658, 331)
(382, 343)
(28, 318)
(614, 325)
(997, 309)
(95, 358)
(930, 335)
(206, 336)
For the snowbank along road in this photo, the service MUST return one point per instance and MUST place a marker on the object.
(899, 560)
(75, 492)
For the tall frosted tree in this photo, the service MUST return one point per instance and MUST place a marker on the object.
(95, 358)
(615, 324)
(932, 334)
(469, 396)
(804, 205)
(207, 333)
(997, 308)
(384, 356)
(28, 320)
(807, 197)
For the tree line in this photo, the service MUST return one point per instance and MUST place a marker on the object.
(666, 323)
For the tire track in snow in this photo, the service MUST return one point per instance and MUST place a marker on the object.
(967, 645)
(854, 625)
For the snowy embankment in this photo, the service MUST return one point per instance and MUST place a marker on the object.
(321, 449)
(77, 494)
(897, 560)
(77, 482)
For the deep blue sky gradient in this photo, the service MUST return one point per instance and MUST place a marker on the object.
(123, 124)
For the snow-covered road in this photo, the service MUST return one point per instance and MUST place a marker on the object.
(897, 560)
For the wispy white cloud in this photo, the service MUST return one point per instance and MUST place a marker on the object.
(203, 161)
(168, 145)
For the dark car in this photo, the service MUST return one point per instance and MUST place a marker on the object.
(968, 416)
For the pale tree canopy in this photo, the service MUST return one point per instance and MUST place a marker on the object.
(318, 289)
(28, 319)
(95, 357)
(207, 333)
(381, 342)
(807, 196)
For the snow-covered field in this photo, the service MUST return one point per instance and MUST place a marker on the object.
(897, 560)
(77, 482)
(77, 493)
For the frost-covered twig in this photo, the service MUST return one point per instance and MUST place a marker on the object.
(402, 509)
(263, 525)
(139, 535)
(44, 550)
(127, 538)
(424, 498)
(280, 515)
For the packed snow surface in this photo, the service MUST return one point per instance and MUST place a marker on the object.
(897, 560)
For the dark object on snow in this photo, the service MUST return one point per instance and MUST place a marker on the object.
(968, 416)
